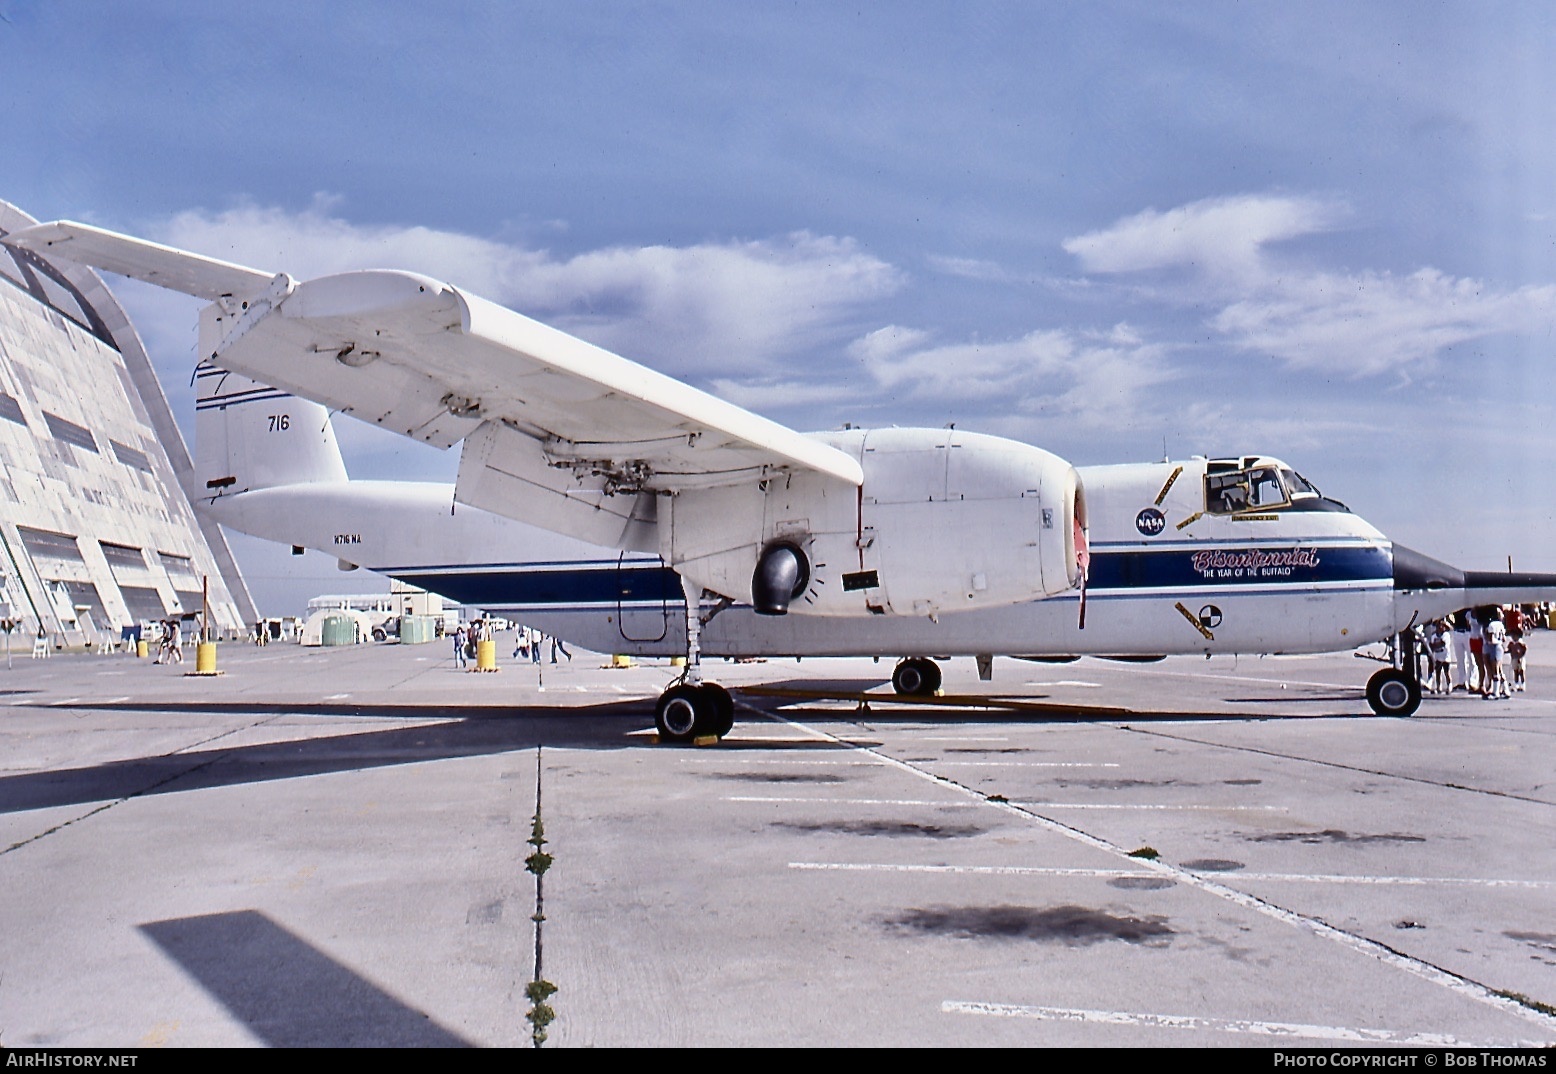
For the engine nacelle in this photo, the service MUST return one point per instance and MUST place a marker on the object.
(945, 521)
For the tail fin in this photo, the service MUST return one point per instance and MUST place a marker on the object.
(249, 435)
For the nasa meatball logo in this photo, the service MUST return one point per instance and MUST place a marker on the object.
(1150, 522)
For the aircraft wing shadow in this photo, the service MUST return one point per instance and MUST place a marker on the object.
(287, 992)
(473, 733)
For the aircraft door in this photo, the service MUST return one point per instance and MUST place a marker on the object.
(643, 605)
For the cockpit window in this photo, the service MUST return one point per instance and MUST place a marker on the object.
(1251, 486)
(1298, 485)
(1257, 488)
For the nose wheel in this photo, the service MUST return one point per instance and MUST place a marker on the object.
(1392, 692)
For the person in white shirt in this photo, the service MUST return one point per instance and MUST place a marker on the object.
(1493, 681)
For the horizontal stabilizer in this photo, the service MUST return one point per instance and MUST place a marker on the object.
(139, 259)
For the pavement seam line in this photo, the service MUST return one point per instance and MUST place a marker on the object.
(145, 790)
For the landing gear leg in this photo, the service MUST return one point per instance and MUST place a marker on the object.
(692, 708)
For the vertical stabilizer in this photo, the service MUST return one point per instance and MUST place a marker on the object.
(249, 435)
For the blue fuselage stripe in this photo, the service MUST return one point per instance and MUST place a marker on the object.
(1131, 573)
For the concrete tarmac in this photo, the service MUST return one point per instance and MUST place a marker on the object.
(326, 847)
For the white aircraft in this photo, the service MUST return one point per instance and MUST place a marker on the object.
(724, 533)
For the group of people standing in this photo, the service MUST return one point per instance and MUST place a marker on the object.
(528, 643)
(467, 637)
(1477, 644)
(170, 647)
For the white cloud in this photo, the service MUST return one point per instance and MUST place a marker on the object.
(1358, 324)
(970, 269)
(1091, 377)
(1376, 322)
(730, 307)
(1222, 237)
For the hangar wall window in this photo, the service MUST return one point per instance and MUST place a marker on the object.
(50, 545)
(77, 600)
(130, 457)
(70, 432)
(143, 602)
(180, 569)
(10, 409)
(122, 555)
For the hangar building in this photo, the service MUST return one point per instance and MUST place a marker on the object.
(96, 528)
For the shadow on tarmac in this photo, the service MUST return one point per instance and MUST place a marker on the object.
(483, 730)
(288, 993)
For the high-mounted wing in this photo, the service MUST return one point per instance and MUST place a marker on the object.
(558, 432)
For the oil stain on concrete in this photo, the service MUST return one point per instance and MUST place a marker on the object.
(887, 828)
(1212, 865)
(1070, 926)
(1333, 835)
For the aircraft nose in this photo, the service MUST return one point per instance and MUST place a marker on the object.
(1414, 570)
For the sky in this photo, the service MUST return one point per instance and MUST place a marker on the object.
(1320, 231)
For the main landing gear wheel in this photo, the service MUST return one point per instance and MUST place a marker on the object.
(916, 677)
(722, 721)
(1391, 692)
(685, 712)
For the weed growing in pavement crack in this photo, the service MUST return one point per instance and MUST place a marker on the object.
(538, 991)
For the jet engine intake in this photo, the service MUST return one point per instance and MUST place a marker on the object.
(782, 573)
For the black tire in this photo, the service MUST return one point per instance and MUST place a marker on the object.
(679, 712)
(916, 677)
(720, 720)
(1391, 692)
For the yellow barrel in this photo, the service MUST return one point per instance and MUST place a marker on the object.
(678, 661)
(142, 649)
(205, 658)
(621, 660)
(486, 656)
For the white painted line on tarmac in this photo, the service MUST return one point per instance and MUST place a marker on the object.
(753, 737)
(1419, 968)
(1027, 764)
(336, 697)
(988, 870)
(1157, 805)
(1248, 678)
(1216, 1025)
(1037, 870)
(1408, 881)
(780, 761)
(855, 801)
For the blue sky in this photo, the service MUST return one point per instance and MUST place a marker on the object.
(1321, 231)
